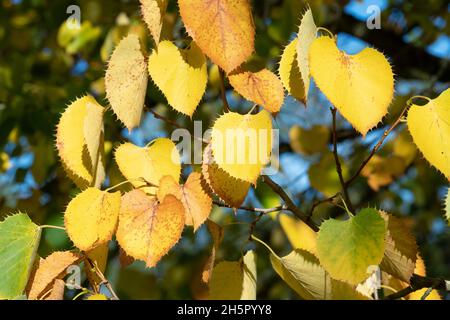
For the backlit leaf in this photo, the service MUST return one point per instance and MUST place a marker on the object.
(307, 33)
(153, 13)
(289, 71)
(234, 280)
(126, 81)
(346, 249)
(231, 190)
(360, 86)
(151, 163)
(242, 144)
(19, 241)
(223, 29)
(309, 141)
(91, 218)
(79, 140)
(196, 202)
(300, 235)
(323, 175)
(262, 87)
(429, 126)
(147, 229)
(447, 207)
(180, 74)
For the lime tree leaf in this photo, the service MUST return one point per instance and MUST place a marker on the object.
(234, 280)
(401, 249)
(19, 240)
(309, 141)
(223, 29)
(360, 86)
(346, 249)
(300, 235)
(289, 71)
(307, 33)
(153, 13)
(429, 126)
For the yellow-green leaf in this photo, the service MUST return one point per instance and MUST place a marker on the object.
(360, 86)
(289, 71)
(180, 74)
(262, 87)
(126, 81)
(346, 249)
(147, 229)
(153, 13)
(19, 241)
(307, 32)
(234, 280)
(150, 163)
(223, 29)
(323, 175)
(309, 141)
(242, 144)
(429, 126)
(300, 235)
(91, 218)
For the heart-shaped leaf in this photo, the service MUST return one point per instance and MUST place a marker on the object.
(429, 126)
(180, 74)
(242, 144)
(346, 249)
(360, 86)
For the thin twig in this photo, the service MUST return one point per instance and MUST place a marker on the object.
(252, 209)
(223, 96)
(338, 162)
(417, 283)
(161, 117)
(102, 277)
(320, 202)
(377, 147)
(288, 201)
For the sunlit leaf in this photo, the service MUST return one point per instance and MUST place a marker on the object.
(153, 13)
(300, 235)
(289, 71)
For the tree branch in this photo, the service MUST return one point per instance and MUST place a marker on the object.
(377, 147)
(253, 209)
(338, 163)
(288, 201)
(417, 283)
(161, 117)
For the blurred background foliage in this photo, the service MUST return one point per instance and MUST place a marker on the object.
(44, 66)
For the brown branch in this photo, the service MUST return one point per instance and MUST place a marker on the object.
(377, 147)
(252, 209)
(161, 117)
(223, 96)
(417, 283)
(338, 163)
(288, 201)
(320, 202)
(93, 266)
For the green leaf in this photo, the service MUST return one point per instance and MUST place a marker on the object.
(234, 280)
(19, 240)
(346, 249)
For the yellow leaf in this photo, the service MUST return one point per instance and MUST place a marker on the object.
(91, 218)
(262, 87)
(430, 128)
(180, 74)
(153, 12)
(57, 292)
(309, 141)
(147, 229)
(196, 202)
(234, 280)
(242, 144)
(420, 270)
(307, 33)
(79, 146)
(230, 190)
(151, 163)
(300, 235)
(126, 81)
(382, 171)
(360, 86)
(51, 268)
(223, 29)
(290, 73)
